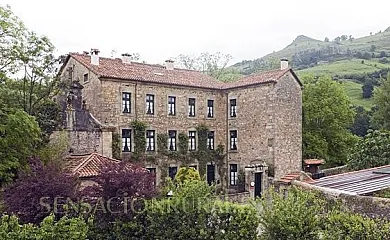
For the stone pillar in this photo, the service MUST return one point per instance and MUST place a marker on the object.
(106, 142)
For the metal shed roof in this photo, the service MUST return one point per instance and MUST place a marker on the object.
(359, 182)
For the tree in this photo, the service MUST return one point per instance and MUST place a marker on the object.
(382, 101)
(361, 123)
(326, 39)
(212, 64)
(32, 196)
(368, 88)
(327, 116)
(372, 48)
(19, 138)
(372, 150)
(382, 54)
(12, 30)
(344, 37)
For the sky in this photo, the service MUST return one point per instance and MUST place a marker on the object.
(163, 29)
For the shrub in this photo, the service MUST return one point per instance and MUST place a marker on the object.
(33, 194)
(187, 174)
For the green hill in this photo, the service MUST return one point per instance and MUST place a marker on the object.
(353, 61)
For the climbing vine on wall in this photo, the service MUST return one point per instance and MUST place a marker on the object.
(139, 129)
(116, 145)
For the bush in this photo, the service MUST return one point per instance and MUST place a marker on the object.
(344, 225)
(32, 196)
(65, 228)
(187, 174)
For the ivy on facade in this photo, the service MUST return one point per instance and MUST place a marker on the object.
(139, 129)
(116, 146)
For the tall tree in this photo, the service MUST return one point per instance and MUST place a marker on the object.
(381, 98)
(210, 63)
(327, 116)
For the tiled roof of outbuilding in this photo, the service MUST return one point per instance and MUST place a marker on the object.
(115, 68)
(87, 165)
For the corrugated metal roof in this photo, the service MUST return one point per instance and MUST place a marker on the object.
(358, 182)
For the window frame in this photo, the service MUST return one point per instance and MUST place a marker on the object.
(126, 140)
(149, 101)
(211, 140)
(85, 78)
(150, 140)
(172, 141)
(191, 140)
(170, 169)
(233, 175)
(171, 105)
(126, 101)
(191, 107)
(233, 140)
(233, 107)
(210, 108)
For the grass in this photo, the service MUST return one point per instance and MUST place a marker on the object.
(354, 91)
(350, 66)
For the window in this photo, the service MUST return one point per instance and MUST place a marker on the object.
(150, 104)
(210, 108)
(191, 107)
(126, 140)
(233, 174)
(172, 140)
(191, 140)
(194, 167)
(86, 77)
(233, 108)
(172, 172)
(126, 106)
(233, 140)
(70, 73)
(150, 143)
(153, 171)
(210, 140)
(171, 105)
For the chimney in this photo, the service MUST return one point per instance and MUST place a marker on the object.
(126, 58)
(94, 56)
(283, 63)
(169, 64)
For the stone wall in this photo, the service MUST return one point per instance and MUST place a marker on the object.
(287, 143)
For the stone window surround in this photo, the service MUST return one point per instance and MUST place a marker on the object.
(196, 138)
(233, 97)
(127, 87)
(174, 105)
(234, 175)
(131, 139)
(169, 140)
(230, 138)
(207, 108)
(212, 130)
(187, 104)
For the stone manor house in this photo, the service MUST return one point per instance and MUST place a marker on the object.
(258, 119)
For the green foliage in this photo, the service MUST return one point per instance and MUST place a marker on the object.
(19, 138)
(116, 145)
(327, 116)
(290, 217)
(372, 150)
(139, 129)
(348, 226)
(187, 174)
(49, 229)
(361, 124)
(55, 149)
(354, 92)
(382, 100)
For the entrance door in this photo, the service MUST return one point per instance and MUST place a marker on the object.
(258, 184)
(210, 174)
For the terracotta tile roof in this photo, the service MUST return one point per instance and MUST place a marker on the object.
(114, 68)
(257, 78)
(287, 179)
(87, 165)
(314, 161)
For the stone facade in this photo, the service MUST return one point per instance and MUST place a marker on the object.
(268, 121)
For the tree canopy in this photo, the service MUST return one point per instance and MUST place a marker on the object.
(381, 98)
(327, 116)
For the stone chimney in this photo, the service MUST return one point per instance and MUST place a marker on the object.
(95, 56)
(126, 58)
(283, 63)
(169, 64)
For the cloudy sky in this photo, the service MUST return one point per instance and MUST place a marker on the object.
(161, 29)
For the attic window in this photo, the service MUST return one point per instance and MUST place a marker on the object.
(158, 74)
(86, 77)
